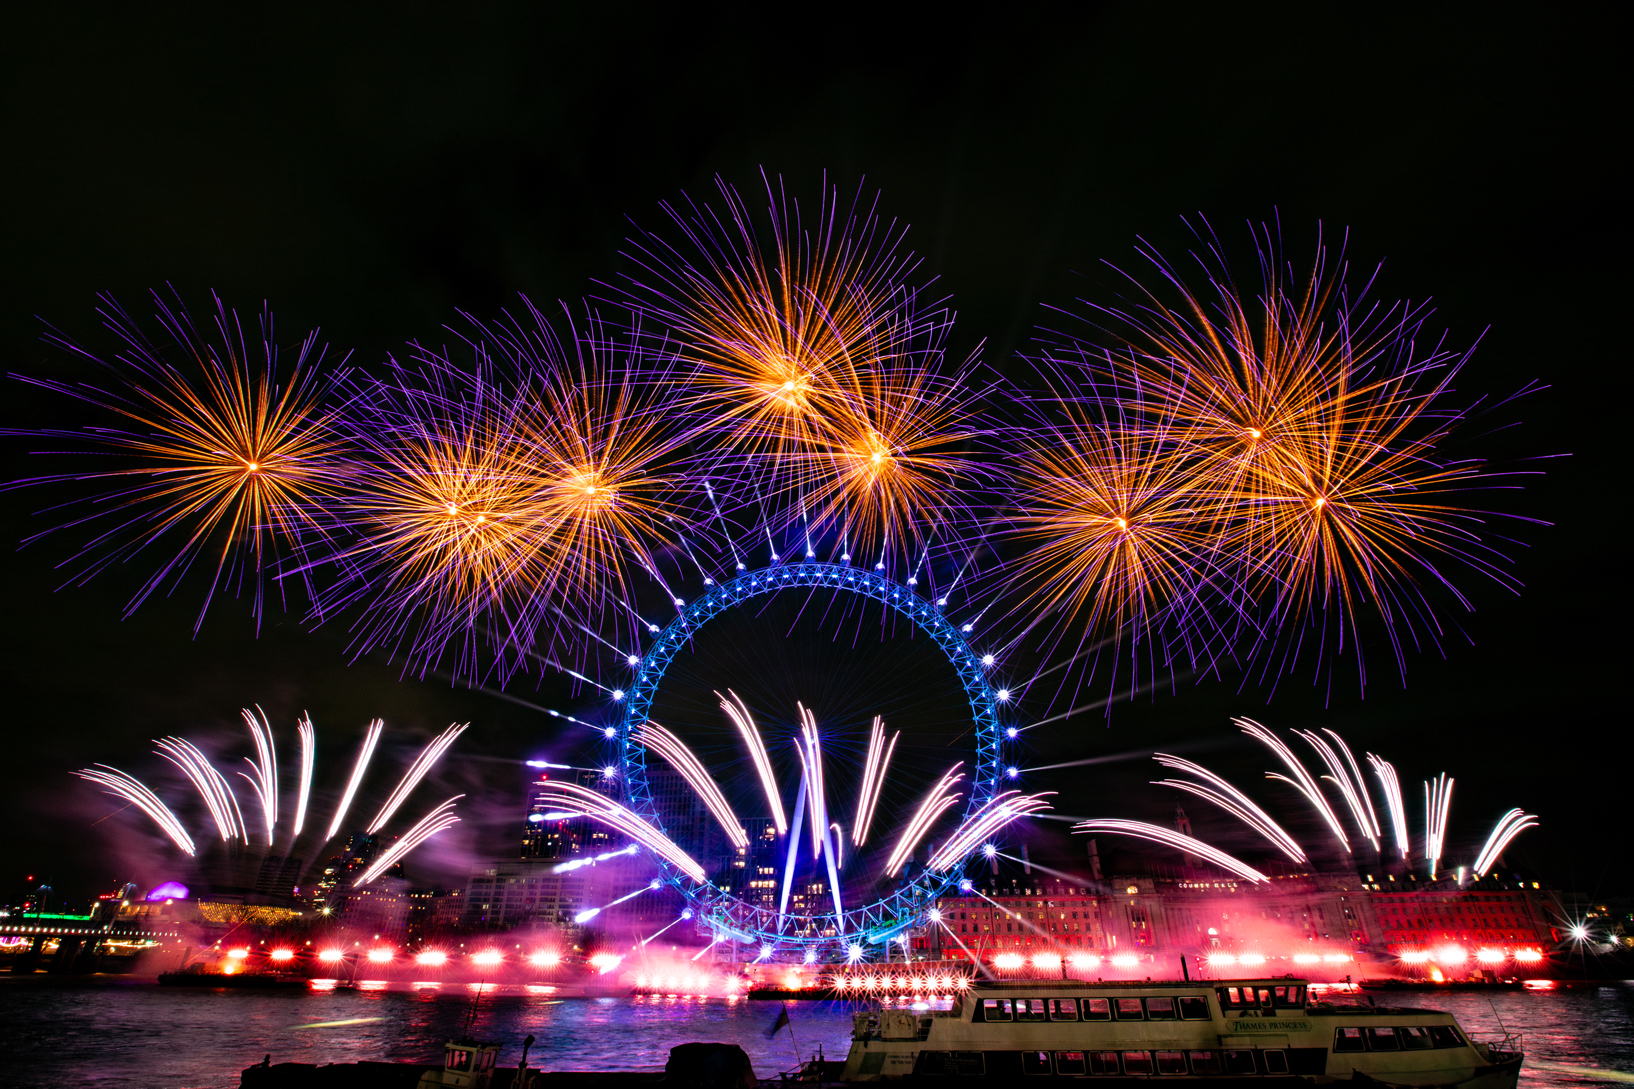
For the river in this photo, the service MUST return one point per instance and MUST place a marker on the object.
(99, 1032)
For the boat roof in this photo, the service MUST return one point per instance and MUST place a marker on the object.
(1130, 984)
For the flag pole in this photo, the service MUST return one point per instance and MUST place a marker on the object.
(792, 1040)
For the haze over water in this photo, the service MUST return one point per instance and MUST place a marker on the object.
(129, 1034)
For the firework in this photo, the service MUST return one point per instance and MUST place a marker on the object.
(1386, 772)
(222, 456)
(1360, 786)
(1437, 804)
(738, 712)
(873, 778)
(309, 755)
(1339, 776)
(998, 812)
(1301, 781)
(263, 777)
(371, 737)
(124, 786)
(1315, 418)
(436, 821)
(495, 506)
(1110, 519)
(1510, 825)
(938, 800)
(1232, 800)
(581, 801)
(1169, 837)
(665, 744)
(423, 763)
(810, 752)
(775, 327)
(210, 783)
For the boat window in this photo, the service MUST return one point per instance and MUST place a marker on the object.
(1193, 1007)
(1415, 1038)
(1063, 1009)
(1348, 1039)
(1035, 1062)
(1229, 996)
(1129, 1009)
(1286, 997)
(1265, 996)
(1137, 1062)
(1097, 1009)
(1160, 1009)
(1204, 1062)
(1030, 1009)
(1239, 1062)
(1276, 1062)
(458, 1060)
(1446, 1036)
(1171, 1062)
(1382, 1039)
(1103, 1062)
(1069, 1062)
(995, 1009)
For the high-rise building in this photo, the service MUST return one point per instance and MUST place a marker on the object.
(573, 837)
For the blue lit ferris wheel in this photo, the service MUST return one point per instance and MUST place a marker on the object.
(893, 905)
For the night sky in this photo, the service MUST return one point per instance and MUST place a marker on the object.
(376, 173)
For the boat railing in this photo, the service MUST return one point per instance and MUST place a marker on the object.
(1506, 1048)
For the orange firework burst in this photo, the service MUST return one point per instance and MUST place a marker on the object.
(777, 329)
(1115, 521)
(895, 459)
(1306, 426)
(227, 455)
(497, 506)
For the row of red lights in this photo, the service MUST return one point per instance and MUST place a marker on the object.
(434, 958)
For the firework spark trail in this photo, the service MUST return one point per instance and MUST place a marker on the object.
(1437, 804)
(579, 863)
(125, 786)
(371, 737)
(998, 812)
(811, 758)
(1510, 825)
(423, 763)
(938, 800)
(436, 821)
(1168, 836)
(738, 712)
(210, 783)
(1302, 780)
(1232, 800)
(263, 775)
(873, 779)
(309, 755)
(1339, 776)
(590, 913)
(582, 801)
(1394, 804)
(1360, 783)
(674, 751)
(221, 450)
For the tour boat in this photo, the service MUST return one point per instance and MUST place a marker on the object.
(1215, 1030)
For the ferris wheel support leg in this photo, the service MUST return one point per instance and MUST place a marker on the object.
(834, 882)
(794, 852)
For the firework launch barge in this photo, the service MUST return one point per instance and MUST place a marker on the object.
(1215, 1032)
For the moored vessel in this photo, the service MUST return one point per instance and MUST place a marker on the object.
(1231, 1030)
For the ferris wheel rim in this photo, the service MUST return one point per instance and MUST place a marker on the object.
(882, 919)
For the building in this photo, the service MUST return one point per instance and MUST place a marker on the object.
(433, 913)
(524, 892)
(573, 837)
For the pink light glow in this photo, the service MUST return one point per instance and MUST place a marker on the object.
(1415, 956)
(545, 959)
(488, 957)
(1126, 960)
(330, 956)
(1490, 956)
(1009, 960)
(380, 956)
(1451, 954)
(1084, 961)
(1528, 956)
(238, 954)
(436, 958)
(281, 955)
(1047, 961)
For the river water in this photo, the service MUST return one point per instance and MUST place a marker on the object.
(60, 1031)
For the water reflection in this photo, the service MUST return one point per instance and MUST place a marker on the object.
(104, 1034)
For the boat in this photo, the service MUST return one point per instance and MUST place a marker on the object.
(1244, 1030)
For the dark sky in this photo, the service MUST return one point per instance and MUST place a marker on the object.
(375, 172)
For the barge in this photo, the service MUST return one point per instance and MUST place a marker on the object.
(1247, 1030)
